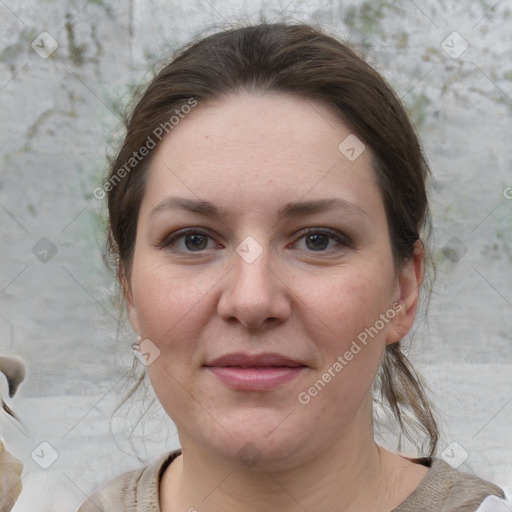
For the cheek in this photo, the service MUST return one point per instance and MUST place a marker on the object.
(353, 336)
(170, 306)
(171, 310)
(349, 302)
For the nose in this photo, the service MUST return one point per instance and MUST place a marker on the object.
(254, 294)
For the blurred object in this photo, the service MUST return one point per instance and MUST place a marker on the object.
(10, 479)
(10, 467)
(14, 370)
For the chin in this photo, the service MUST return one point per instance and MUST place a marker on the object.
(255, 445)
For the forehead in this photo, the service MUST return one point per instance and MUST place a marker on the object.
(260, 148)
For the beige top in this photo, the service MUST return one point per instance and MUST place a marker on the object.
(443, 489)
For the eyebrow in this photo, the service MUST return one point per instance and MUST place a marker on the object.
(292, 209)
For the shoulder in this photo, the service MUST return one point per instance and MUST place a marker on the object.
(448, 489)
(133, 491)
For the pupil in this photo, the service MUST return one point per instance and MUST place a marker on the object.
(318, 242)
(196, 241)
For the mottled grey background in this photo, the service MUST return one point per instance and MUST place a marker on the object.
(61, 117)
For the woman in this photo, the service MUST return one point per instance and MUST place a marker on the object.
(269, 215)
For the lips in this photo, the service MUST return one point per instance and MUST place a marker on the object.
(261, 372)
(242, 360)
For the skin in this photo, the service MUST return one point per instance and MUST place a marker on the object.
(251, 154)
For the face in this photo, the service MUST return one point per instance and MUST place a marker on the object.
(271, 302)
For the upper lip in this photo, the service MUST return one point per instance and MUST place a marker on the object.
(242, 360)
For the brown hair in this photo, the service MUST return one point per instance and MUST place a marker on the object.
(300, 60)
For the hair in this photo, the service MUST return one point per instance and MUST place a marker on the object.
(302, 60)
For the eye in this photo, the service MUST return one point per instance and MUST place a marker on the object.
(193, 240)
(318, 240)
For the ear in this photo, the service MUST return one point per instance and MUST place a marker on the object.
(128, 296)
(408, 288)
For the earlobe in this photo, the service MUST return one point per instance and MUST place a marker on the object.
(409, 284)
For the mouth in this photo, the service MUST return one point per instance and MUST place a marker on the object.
(261, 372)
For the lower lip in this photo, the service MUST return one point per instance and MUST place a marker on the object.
(255, 379)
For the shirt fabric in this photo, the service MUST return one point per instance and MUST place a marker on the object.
(443, 489)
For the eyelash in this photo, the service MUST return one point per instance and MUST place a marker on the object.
(342, 240)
